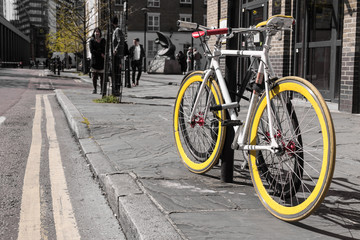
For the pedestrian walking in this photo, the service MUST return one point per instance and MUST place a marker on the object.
(118, 39)
(197, 59)
(189, 58)
(136, 53)
(97, 50)
(182, 61)
(70, 62)
(58, 64)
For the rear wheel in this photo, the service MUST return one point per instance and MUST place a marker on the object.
(292, 182)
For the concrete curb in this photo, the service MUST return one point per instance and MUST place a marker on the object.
(75, 119)
(62, 76)
(136, 210)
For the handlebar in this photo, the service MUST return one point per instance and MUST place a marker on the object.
(191, 25)
(210, 32)
(274, 23)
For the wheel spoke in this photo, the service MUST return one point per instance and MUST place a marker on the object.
(198, 134)
(293, 173)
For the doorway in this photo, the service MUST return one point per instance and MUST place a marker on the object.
(252, 13)
(318, 44)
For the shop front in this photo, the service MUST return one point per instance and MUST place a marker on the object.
(323, 48)
(318, 45)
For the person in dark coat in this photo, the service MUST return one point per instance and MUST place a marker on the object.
(97, 49)
(137, 54)
(182, 61)
(118, 39)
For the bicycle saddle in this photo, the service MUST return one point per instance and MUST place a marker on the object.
(278, 21)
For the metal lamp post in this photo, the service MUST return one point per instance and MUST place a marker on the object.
(145, 10)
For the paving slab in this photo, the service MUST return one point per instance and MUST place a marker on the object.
(135, 139)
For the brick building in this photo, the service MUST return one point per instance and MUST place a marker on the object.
(161, 15)
(323, 48)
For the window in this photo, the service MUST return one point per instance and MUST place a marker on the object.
(35, 5)
(185, 1)
(120, 17)
(186, 17)
(153, 3)
(118, 2)
(276, 7)
(153, 22)
(152, 49)
(35, 12)
(35, 19)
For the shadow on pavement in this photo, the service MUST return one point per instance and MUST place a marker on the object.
(339, 207)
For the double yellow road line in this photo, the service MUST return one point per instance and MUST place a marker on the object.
(30, 216)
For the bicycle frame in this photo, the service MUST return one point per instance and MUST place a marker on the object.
(264, 71)
(288, 141)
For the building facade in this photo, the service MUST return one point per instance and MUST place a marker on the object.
(2, 8)
(14, 45)
(323, 48)
(162, 16)
(32, 18)
(7, 9)
(146, 17)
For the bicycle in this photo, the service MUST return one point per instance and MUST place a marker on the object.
(288, 133)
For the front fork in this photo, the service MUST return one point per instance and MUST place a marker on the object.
(205, 78)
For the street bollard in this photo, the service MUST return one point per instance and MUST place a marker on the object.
(127, 72)
(227, 157)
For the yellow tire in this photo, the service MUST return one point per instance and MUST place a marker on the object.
(293, 182)
(199, 140)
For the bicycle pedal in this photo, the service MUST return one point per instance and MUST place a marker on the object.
(231, 123)
(244, 165)
(224, 106)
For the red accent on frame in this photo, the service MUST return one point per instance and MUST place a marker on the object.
(198, 34)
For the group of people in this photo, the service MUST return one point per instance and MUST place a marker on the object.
(185, 61)
(120, 49)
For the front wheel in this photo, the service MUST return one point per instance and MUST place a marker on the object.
(292, 182)
(199, 139)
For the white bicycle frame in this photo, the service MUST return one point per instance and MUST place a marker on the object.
(264, 70)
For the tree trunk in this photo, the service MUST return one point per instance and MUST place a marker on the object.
(84, 65)
(66, 61)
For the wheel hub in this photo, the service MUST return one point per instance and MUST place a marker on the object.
(288, 148)
(198, 119)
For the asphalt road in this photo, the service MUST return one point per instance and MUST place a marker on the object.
(47, 189)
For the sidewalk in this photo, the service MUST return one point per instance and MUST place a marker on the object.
(131, 150)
